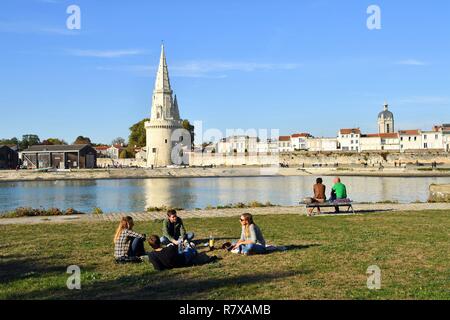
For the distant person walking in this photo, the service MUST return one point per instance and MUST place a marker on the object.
(338, 192)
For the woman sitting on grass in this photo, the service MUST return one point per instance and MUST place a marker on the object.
(128, 245)
(252, 240)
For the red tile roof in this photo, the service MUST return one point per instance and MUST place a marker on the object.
(349, 131)
(301, 135)
(381, 135)
(415, 132)
(284, 138)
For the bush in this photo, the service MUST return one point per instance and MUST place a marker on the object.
(31, 212)
(97, 211)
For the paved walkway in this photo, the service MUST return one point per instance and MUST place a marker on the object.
(150, 216)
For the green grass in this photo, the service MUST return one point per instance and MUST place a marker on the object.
(328, 259)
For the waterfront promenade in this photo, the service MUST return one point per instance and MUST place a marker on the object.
(218, 213)
(139, 173)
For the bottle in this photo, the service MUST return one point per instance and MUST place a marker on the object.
(180, 245)
(211, 242)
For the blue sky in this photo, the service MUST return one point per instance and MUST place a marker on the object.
(298, 66)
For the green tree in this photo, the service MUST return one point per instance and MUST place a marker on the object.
(10, 142)
(189, 127)
(29, 140)
(82, 140)
(54, 141)
(123, 154)
(119, 141)
(137, 136)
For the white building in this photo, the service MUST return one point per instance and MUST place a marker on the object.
(163, 129)
(322, 144)
(386, 120)
(299, 141)
(432, 140)
(410, 140)
(267, 146)
(140, 154)
(349, 139)
(238, 144)
(114, 151)
(380, 142)
(285, 144)
(445, 129)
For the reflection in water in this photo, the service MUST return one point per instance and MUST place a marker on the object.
(189, 193)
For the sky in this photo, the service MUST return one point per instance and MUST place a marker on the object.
(297, 66)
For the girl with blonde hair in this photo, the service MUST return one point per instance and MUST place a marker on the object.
(252, 240)
(128, 245)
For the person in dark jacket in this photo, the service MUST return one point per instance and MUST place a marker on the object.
(173, 229)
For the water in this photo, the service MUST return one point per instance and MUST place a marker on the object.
(135, 195)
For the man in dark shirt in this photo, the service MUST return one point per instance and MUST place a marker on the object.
(165, 258)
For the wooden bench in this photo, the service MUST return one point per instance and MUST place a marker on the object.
(315, 205)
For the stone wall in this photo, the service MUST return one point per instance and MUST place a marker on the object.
(309, 159)
(439, 193)
(105, 162)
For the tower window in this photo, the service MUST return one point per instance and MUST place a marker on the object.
(165, 140)
(154, 150)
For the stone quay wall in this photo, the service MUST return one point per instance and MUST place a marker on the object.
(439, 193)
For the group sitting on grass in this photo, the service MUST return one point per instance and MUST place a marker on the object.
(175, 248)
(338, 194)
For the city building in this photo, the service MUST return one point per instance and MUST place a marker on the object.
(114, 151)
(349, 139)
(285, 144)
(432, 140)
(80, 156)
(8, 157)
(410, 140)
(238, 144)
(164, 121)
(299, 141)
(102, 151)
(386, 120)
(380, 142)
(322, 144)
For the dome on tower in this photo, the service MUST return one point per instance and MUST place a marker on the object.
(386, 114)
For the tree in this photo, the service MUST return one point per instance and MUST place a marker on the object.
(123, 154)
(137, 136)
(10, 142)
(82, 140)
(119, 141)
(54, 141)
(29, 140)
(189, 127)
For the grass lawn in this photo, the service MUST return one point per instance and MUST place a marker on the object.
(328, 259)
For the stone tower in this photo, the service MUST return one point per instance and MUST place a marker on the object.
(386, 120)
(164, 119)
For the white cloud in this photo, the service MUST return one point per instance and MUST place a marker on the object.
(205, 69)
(423, 101)
(412, 62)
(30, 28)
(105, 53)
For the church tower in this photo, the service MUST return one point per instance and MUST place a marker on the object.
(164, 119)
(386, 120)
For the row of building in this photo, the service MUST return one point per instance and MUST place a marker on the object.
(347, 140)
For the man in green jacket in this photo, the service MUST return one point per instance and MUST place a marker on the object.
(173, 229)
(338, 191)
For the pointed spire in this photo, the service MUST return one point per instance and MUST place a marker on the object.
(176, 111)
(162, 83)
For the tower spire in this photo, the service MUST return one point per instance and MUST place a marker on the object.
(162, 83)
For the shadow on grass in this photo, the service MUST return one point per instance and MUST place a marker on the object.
(16, 267)
(162, 286)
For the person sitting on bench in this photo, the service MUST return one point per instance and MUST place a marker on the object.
(338, 192)
(319, 194)
(173, 229)
(128, 245)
